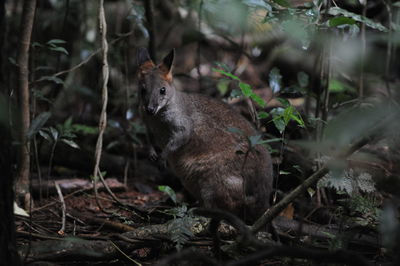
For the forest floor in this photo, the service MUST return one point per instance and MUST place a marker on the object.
(148, 230)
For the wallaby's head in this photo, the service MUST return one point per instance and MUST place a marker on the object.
(155, 81)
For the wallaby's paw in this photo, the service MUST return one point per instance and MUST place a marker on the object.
(153, 156)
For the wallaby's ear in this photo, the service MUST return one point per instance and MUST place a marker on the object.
(143, 60)
(166, 65)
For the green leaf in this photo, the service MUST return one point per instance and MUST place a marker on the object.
(397, 4)
(257, 3)
(284, 102)
(36, 44)
(338, 86)
(45, 135)
(288, 114)
(84, 129)
(70, 143)
(275, 79)
(254, 140)
(283, 3)
(59, 49)
(279, 124)
(68, 123)
(302, 79)
(297, 117)
(53, 79)
(260, 101)
(335, 11)
(246, 89)
(56, 41)
(262, 115)
(337, 21)
(270, 140)
(169, 191)
(12, 61)
(222, 86)
(235, 93)
(234, 130)
(230, 75)
(37, 124)
(311, 192)
(223, 66)
(54, 133)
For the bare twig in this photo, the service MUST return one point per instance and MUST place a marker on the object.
(120, 227)
(124, 254)
(55, 202)
(108, 189)
(63, 209)
(39, 236)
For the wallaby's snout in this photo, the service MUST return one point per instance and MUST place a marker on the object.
(152, 110)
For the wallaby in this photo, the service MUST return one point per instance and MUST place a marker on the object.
(214, 163)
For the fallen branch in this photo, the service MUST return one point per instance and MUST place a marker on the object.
(73, 250)
(110, 224)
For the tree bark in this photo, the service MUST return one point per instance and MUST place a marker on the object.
(28, 15)
(8, 250)
(149, 13)
(2, 41)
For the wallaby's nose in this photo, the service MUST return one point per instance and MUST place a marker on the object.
(151, 110)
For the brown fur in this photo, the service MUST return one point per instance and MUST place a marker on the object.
(214, 164)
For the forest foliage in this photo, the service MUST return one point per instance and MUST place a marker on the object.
(318, 78)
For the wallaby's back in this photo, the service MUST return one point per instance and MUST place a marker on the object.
(213, 164)
(195, 135)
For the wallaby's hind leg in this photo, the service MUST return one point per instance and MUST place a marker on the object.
(223, 193)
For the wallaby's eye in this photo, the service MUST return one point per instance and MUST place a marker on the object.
(162, 91)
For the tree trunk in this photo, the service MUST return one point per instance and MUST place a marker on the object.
(8, 250)
(28, 15)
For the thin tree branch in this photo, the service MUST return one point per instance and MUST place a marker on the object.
(105, 76)
(85, 61)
